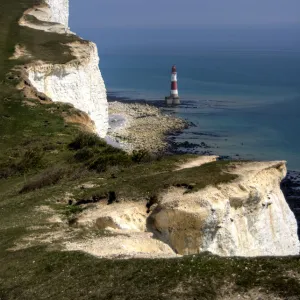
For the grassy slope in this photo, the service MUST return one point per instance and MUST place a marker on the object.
(36, 273)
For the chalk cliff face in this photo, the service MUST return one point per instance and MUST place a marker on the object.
(59, 11)
(249, 217)
(246, 217)
(79, 81)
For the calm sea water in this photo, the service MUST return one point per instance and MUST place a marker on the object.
(243, 99)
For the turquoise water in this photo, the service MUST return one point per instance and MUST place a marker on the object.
(243, 99)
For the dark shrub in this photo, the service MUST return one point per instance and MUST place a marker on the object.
(31, 160)
(7, 171)
(104, 161)
(140, 156)
(49, 147)
(86, 139)
(47, 178)
(84, 154)
(112, 197)
(111, 150)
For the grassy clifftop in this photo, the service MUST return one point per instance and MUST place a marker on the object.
(42, 158)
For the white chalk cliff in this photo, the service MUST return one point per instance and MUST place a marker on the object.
(79, 81)
(248, 217)
(59, 11)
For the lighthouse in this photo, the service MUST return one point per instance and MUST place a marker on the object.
(174, 97)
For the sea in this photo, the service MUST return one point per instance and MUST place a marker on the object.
(239, 87)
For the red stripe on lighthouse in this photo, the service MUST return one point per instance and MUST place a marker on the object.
(174, 85)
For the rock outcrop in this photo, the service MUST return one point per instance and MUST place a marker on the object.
(130, 216)
(248, 217)
(78, 81)
(124, 233)
(59, 11)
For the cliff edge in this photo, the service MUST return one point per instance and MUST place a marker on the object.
(77, 80)
(247, 216)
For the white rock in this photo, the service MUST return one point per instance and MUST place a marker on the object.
(54, 11)
(79, 81)
(59, 11)
(248, 217)
(129, 216)
(135, 245)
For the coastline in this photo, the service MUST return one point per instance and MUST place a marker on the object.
(149, 125)
(160, 121)
(140, 126)
(196, 140)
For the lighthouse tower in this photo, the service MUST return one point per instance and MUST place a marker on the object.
(174, 97)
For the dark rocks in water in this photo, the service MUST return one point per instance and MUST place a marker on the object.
(204, 145)
(224, 157)
(189, 145)
(191, 124)
(205, 134)
(186, 144)
(206, 153)
(175, 133)
(290, 187)
(192, 148)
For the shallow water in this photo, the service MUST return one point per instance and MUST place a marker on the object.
(254, 115)
(243, 100)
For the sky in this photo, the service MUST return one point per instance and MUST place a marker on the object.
(182, 13)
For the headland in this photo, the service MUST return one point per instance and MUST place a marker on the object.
(76, 213)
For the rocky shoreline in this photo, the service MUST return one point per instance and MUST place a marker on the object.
(171, 145)
(137, 126)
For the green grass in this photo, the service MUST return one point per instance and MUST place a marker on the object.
(71, 275)
(42, 158)
(142, 181)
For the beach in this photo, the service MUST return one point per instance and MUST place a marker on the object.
(137, 126)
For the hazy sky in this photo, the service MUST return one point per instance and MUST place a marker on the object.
(182, 13)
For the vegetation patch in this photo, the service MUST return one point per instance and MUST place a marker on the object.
(46, 178)
(86, 140)
(54, 275)
(147, 180)
(30, 160)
